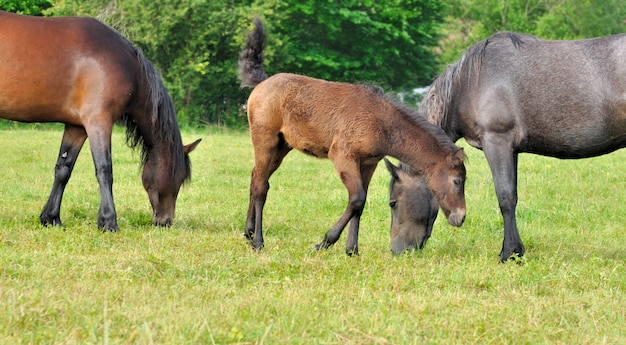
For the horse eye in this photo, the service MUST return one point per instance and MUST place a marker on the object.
(457, 182)
(393, 203)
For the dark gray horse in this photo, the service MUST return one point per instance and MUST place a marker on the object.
(413, 206)
(514, 93)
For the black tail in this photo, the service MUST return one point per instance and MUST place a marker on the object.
(251, 71)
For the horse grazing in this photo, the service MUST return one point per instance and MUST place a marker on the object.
(514, 93)
(84, 74)
(353, 125)
(414, 208)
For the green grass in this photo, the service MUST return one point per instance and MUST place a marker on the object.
(199, 282)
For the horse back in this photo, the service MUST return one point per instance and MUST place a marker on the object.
(55, 67)
(312, 114)
(558, 98)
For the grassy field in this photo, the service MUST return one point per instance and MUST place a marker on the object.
(199, 282)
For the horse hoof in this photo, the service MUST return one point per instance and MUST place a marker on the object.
(257, 246)
(512, 255)
(323, 245)
(162, 223)
(352, 252)
(45, 221)
(249, 235)
(109, 228)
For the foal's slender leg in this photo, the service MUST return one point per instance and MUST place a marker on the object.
(100, 142)
(250, 218)
(352, 243)
(350, 174)
(503, 164)
(72, 142)
(269, 152)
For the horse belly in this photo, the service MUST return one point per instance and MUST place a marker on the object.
(588, 141)
(585, 125)
(307, 140)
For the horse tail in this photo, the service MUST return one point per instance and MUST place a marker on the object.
(251, 71)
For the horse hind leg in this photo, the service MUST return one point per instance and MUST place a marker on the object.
(250, 218)
(71, 144)
(269, 152)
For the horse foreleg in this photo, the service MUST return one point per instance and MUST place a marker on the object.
(350, 174)
(503, 164)
(352, 242)
(100, 142)
(71, 144)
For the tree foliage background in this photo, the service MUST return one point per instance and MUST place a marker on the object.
(470, 21)
(398, 44)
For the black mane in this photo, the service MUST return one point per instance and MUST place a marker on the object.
(163, 117)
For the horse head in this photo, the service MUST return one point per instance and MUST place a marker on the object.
(162, 182)
(447, 181)
(413, 206)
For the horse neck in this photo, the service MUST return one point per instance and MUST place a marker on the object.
(418, 145)
(154, 139)
(438, 104)
(157, 123)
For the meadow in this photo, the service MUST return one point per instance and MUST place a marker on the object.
(199, 282)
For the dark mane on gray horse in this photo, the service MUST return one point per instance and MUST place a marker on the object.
(436, 102)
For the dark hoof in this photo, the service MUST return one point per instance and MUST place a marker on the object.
(109, 228)
(512, 255)
(249, 235)
(323, 245)
(50, 221)
(352, 252)
(164, 223)
(257, 243)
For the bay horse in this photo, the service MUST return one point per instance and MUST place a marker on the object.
(80, 72)
(414, 208)
(354, 125)
(515, 93)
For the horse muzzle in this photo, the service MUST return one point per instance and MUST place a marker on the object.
(162, 221)
(456, 217)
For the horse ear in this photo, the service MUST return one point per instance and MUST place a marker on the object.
(192, 146)
(393, 170)
(458, 157)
